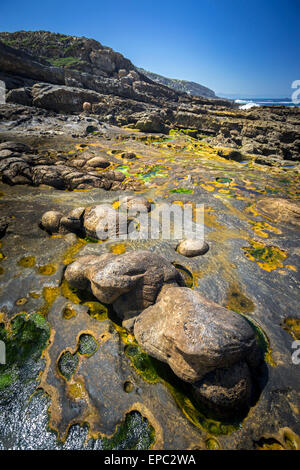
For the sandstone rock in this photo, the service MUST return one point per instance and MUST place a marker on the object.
(150, 123)
(136, 204)
(97, 162)
(280, 210)
(192, 334)
(192, 247)
(225, 390)
(15, 147)
(115, 175)
(131, 281)
(76, 272)
(73, 221)
(102, 222)
(62, 98)
(50, 221)
(18, 166)
(122, 73)
(87, 107)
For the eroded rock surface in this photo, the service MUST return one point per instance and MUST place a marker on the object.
(280, 210)
(131, 282)
(194, 335)
(19, 165)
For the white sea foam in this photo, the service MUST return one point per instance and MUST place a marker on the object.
(249, 105)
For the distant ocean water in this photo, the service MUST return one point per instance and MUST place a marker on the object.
(247, 103)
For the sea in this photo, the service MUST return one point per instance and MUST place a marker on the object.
(247, 103)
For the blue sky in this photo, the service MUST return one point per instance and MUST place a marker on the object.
(245, 47)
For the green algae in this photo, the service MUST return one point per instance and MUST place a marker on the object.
(87, 345)
(142, 363)
(181, 191)
(97, 310)
(268, 257)
(124, 169)
(154, 371)
(212, 444)
(25, 338)
(186, 274)
(223, 180)
(68, 312)
(128, 387)
(49, 295)
(136, 433)
(262, 340)
(67, 364)
(154, 172)
(237, 301)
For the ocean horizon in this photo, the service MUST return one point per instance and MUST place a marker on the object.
(266, 102)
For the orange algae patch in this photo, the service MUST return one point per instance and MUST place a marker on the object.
(260, 227)
(47, 269)
(27, 262)
(268, 258)
(292, 326)
(118, 249)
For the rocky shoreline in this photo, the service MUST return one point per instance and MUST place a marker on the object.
(143, 343)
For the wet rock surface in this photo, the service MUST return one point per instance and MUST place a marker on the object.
(251, 268)
(280, 210)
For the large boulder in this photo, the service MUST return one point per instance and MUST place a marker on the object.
(73, 221)
(50, 221)
(280, 210)
(103, 221)
(150, 123)
(20, 96)
(225, 390)
(131, 281)
(194, 335)
(62, 98)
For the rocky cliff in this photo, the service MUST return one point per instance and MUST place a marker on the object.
(60, 73)
(184, 86)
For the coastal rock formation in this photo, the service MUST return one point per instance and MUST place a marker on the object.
(18, 165)
(102, 222)
(225, 390)
(50, 221)
(194, 335)
(280, 210)
(192, 247)
(131, 281)
(75, 71)
(135, 204)
(185, 86)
